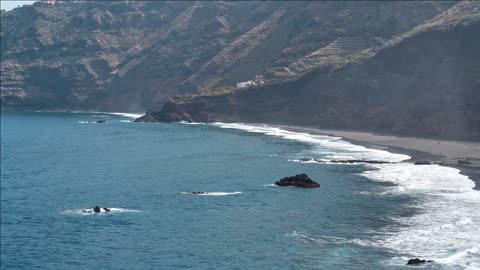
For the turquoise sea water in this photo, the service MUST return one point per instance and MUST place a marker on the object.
(53, 165)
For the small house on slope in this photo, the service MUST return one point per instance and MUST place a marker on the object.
(245, 84)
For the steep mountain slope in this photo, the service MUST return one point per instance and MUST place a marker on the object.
(134, 55)
(425, 82)
(64, 55)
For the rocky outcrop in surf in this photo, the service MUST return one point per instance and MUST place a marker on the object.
(427, 162)
(418, 261)
(464, 162)
(97, 209)
(148, 117)
(299, 180)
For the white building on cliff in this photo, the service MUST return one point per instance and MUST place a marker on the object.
(245, 84)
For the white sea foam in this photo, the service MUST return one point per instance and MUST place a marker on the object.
(303, 161)
(367, 193)
(446, 229)
(323, 143)
(423, 179)
(124, 210)
(213, 193)
(325, 239)
(326, 161)
(87, 122)
(269, 185)
(99, 114)
(126, 121)
(304, 238)
(448, 224)
(190, 123)
(462, 255)
(89, 211)
(128, 115)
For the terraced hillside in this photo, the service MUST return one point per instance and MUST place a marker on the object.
(342, 47)
(424, 82)
(134, 55)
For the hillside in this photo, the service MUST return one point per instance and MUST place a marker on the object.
(424, 82)
(131, 56)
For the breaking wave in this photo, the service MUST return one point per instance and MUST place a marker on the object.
(215, 193)
(128, 115)
(335, 146)
(190, 123)
(89, 211)
(445, 230)
(99, 114)
(322, 240)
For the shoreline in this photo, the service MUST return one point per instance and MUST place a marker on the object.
(446, 152)
(419, 149)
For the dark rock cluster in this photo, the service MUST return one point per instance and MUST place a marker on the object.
(299, 180)
(418, 261)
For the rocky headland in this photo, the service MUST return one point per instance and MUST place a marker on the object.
(422, 83)
(135, 55)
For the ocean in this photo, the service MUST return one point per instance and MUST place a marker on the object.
(364, 216)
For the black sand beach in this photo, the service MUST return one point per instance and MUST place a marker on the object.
(449, 153)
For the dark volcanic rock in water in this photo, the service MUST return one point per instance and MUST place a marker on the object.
(97, 209)
(463, 162)
(299, 180)
(148, 117)
(417, 261)
(423, 162)
(101, 121)
(427, 162)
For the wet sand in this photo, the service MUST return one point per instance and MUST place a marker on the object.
(449, 153)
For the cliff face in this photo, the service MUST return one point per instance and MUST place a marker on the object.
(425, 82)
(130, 56)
